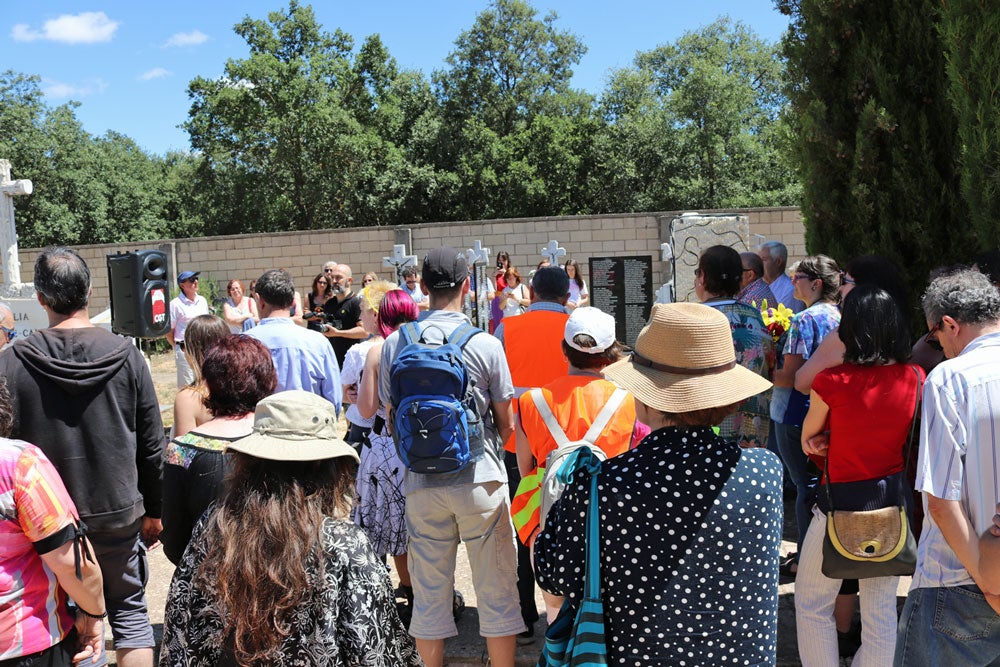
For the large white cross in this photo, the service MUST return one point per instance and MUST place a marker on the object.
(553, 252)
(399, 260)
(477, 254)
(8, 232)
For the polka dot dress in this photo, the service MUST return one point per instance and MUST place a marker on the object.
(690, 530)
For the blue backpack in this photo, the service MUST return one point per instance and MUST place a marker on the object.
(435, 423)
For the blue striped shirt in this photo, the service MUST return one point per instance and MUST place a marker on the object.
(959, 453)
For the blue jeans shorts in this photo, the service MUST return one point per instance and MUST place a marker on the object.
(947, 626)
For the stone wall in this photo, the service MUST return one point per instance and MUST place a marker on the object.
(246, 256)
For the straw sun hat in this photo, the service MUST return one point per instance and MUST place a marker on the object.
(294, 425)
(684, 360)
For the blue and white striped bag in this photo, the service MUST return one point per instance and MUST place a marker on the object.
(576, 637)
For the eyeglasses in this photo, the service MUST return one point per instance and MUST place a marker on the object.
(802, 276)
(322, 282)
(747, 270)
(697, 273)
(11, 333)
(330, 270)
(931, 339)
(844, 280)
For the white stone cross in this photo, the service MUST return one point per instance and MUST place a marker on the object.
(553, 252)
(666, 293)
(8, 232)
(477, 254)
(399, 260)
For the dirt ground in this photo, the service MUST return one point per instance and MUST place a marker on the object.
(468, 648)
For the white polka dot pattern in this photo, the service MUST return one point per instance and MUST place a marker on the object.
(690, 530)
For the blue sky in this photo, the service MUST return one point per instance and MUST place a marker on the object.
(129, 63)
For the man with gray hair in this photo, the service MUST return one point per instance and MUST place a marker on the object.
(774, 255)
(950, 615)
(84, 396)
(7, 331)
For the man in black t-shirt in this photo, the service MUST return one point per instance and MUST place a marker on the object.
(344, 312)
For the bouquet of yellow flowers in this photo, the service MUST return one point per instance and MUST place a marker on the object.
(777, 320)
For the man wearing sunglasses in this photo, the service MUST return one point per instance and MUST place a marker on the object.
(7, 331)
(183, 308)
(958, 472)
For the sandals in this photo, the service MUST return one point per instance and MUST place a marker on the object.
(785, 566)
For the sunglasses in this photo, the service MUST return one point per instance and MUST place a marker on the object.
(931, 340)
(11, 333)
(844, 280)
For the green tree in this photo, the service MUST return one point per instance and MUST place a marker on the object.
(876, 138)
(513, 129)
(970, 32)
(696, 124)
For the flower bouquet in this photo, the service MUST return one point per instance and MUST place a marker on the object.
(777, 320)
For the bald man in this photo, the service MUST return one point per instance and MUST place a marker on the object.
(344, 310)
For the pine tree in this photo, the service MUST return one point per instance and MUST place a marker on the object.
(970, 32)
(876, 137)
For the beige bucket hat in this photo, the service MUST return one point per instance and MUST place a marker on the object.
(294, 425)
(684, 360)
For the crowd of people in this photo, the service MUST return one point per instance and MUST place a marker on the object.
(655, 474)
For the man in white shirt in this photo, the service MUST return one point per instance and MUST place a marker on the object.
(950, 615)
(184, 308)
(774, 255)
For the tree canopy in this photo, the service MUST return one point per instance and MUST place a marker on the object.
(309, 129)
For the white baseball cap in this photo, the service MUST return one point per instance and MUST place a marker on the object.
(595, 323)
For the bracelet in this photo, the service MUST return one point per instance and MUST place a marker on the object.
(100, 617)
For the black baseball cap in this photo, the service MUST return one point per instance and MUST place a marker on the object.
(444, 268)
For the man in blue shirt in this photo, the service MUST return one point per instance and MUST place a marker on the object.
(303, 359)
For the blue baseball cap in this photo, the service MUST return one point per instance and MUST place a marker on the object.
(187, 275)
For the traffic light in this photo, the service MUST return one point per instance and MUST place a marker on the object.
(139, 296)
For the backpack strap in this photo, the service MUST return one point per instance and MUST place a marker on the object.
(596, 428)
(461, 335)
(605, 415)
(545, 412)
(409, 332)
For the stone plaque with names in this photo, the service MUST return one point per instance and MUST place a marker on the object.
(623, 287)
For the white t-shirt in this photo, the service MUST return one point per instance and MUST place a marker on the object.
(576, 292)
(513, 306)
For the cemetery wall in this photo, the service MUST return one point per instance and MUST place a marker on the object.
(246, 256)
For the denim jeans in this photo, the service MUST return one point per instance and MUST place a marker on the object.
(947, 626)
(796, 464)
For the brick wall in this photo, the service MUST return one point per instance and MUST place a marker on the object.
(303, 253)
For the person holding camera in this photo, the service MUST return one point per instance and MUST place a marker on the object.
(342, 313)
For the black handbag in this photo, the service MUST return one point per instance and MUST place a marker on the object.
(871, 543)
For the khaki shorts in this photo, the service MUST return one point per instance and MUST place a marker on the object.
(437, 520)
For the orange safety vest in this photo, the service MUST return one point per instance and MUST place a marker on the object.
(575, 401)
(533, 344)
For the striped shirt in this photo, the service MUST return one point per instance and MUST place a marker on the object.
(34, 505)
(958, 453)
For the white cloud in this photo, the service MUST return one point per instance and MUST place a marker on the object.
(85, 28)
(155, 73)
(57, 90)
(193, 38)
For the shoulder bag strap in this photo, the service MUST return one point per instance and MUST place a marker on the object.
(592, 584)
(545, 412)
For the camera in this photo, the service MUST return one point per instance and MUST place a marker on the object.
(326, 320)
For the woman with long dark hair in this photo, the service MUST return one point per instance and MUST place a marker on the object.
(321, 293)
(578, 294)
(277, 574)
(867, 404)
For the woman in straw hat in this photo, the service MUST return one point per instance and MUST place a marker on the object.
(277, 574)
(690, 523)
